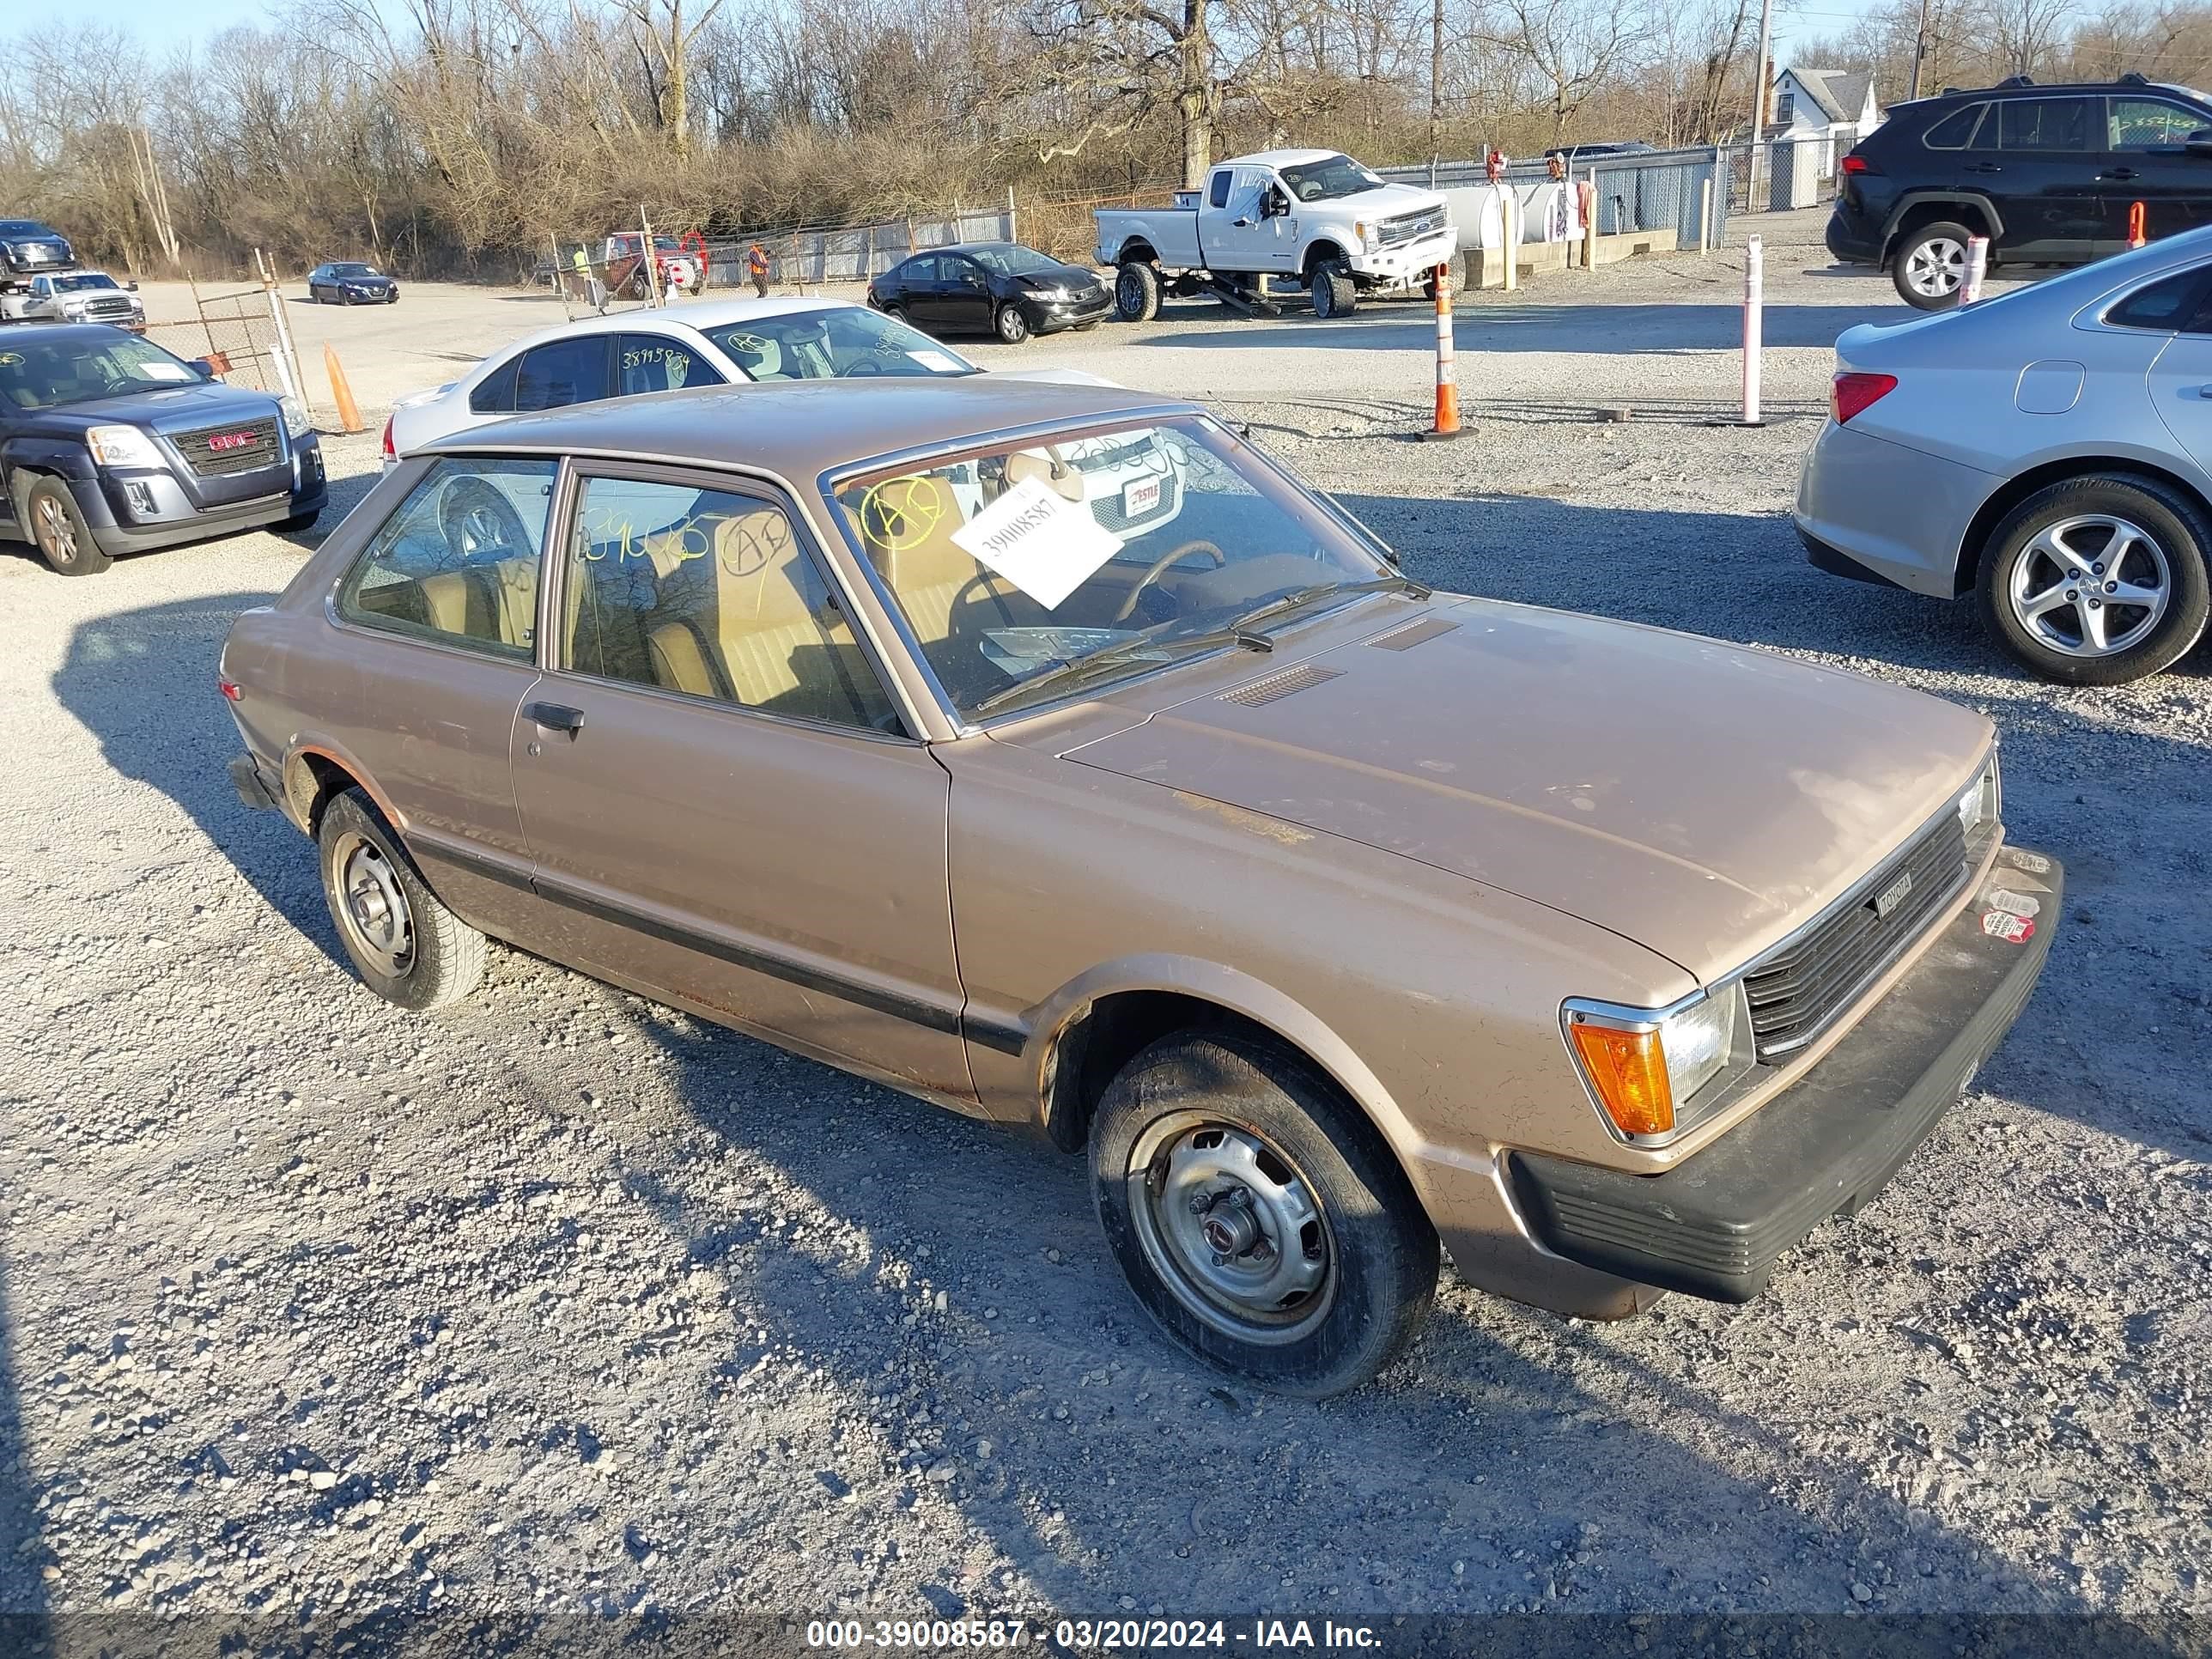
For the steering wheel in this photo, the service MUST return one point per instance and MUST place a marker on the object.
(474, 518)
(862, 366)
(1159, 568)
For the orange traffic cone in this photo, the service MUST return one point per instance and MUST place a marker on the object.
(2135, 237)
(1447, 424)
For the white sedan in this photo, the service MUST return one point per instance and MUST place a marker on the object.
(706, 342)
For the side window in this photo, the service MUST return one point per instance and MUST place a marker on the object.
(712, 594)
(564, 372)
(960, 273)
(2165, 305)
(457, 561)
(1956, 129)
(2045, 124)
(1217, 188)
(495, 393)
(2151, 124)
(654, 363)
(923, 270)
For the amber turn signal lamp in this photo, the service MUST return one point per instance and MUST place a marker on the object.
(1628, 1069)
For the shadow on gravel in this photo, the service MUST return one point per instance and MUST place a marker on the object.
(1498, 1475)
(143, 683)
(22, 1562)
(2090, 789)
(1608, 330)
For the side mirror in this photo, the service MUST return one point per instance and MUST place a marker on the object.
(2200, 142)
(132, 285)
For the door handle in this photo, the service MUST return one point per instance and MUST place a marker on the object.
(1982, 167)
(2120, 172)
(555, 717)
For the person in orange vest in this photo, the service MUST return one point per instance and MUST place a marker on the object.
(756, 266)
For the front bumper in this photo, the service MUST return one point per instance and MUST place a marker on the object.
(1408, 262)
(1050, 316)
(139, 510)
(1902, 514)
(1714, 1225)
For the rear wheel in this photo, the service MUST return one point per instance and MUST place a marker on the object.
(1136, 293)
(405, 944)
(2098, 580)
(1930, 265)
(1333, 292)
(1259, 1219)
(58, 529)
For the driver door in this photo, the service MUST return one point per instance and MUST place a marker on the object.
(1244, 239)
(967, 294)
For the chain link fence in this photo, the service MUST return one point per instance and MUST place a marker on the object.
(238, 336)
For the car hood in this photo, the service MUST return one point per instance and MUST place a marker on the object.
(172, 408)
(1698, 798)
(1384, 202)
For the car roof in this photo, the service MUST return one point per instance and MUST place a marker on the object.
(798, 430)
(1280, 158)
(698, 315)
(1951, 95)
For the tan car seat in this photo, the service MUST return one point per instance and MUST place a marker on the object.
(932, 576)
(497, 601)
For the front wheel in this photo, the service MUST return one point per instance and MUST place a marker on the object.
(63, 538)
(2098, 580)
(1013, 326)
(1930, 267)
(405, 944)
(1335, 293)
(1259, 1219)
(1136, 293)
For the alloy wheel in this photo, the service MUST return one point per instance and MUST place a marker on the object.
(57, 535)
(1232, 1228)
(2093, 584)
(1937, 268)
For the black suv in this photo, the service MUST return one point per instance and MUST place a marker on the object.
(2051, 175)
(108, 443)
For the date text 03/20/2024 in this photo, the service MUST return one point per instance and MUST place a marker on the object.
(1086, 1635)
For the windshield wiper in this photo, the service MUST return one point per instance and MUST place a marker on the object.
(1122, 653)
(1298, 599)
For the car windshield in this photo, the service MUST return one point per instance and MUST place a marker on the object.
(1329, 178)
(1012, 261)
(77, 285)
(1028, 570)
(844, 343)
(47, 373)
(355, 271)
(23, 228)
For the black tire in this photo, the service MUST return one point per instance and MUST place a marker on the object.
(1334, 295)
(58, 529)
(443, 958)
(2018, 565)
(895, 313)
(1137, 292)
(344, 297)
(1930, 264)
(1011, 324)
(1379, 1251)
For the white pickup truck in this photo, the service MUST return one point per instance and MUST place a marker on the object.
(1311, 215)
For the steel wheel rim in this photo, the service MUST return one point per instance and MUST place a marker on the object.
(1232, 1228)
(373, 906)
(1936, 267)
(2091, 586)
(57, 535)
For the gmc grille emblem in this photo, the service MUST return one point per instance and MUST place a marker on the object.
(1892, 896)
(231, 440)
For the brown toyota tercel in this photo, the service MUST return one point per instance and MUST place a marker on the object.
(1050, 753)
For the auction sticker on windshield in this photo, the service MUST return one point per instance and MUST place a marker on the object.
(935, 361)
(1038, 539)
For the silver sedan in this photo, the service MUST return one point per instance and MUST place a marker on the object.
(2049, 450)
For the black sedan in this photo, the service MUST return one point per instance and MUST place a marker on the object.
(991, 288)
(118, 446)
(350, 283)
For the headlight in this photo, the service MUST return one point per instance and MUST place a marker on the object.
(1645, 1065)
(1054, 295)
(297, 422)
(1983, 798)
(121, 446)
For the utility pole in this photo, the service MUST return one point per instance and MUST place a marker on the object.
(1436, 82)
(1758, 104)
(1919, 48)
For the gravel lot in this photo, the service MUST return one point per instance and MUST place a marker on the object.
(310, 1309)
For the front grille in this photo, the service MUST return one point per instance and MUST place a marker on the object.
(1106, 509)
(211, 463)
(115, 308)
(1407, 226)
(1795, 991)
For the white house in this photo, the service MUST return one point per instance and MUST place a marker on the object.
(1835, 105)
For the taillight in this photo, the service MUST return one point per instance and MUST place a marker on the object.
(231, 688)
(1852, 393)
(1859, 164)
(390, 453)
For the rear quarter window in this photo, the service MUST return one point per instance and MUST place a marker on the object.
(1956, 129)
(2171, 304)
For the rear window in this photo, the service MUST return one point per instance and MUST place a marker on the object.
(1956, 129)
(2046, 124)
